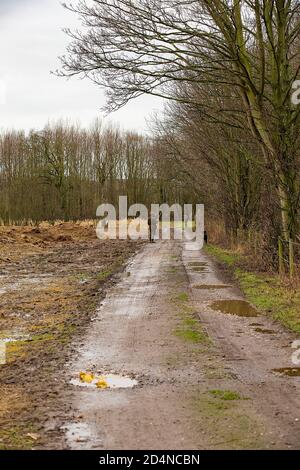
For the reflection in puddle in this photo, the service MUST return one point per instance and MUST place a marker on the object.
(265, 331)
(200, 269)
(102, 382)
(289, 371)
(210, 286)
(235, 307)
(197, 264)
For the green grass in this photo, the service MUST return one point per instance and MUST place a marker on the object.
(16, 438)
(227, 423)
(103, 275)
(189, 328)
(226, 395)
(224, 256)
(270, 296)
(182, 297)
(267, 292)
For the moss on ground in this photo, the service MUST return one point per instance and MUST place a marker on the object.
(226, 422)
(103, 275)
(182, 297)
(226, 395)
(189, 328)
(17, 438)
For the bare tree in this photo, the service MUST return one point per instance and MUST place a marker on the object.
(143, 46)
(70, 171)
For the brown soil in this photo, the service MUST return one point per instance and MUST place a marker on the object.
(51, 280)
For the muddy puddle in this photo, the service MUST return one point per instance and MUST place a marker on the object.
(200, 269)
(210, 286)
(240, 308)
(265, 331)
(197, 264)
(103, 381)
(288, 371)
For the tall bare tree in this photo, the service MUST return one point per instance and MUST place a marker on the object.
(143, 46)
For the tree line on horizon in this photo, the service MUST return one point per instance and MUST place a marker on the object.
(229, 137)
(65, 172)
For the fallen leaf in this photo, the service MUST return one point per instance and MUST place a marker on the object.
(102, 384)
(86, 377)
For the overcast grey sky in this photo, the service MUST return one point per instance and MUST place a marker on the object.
(30, 42)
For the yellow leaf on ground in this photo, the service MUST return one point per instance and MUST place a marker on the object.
(86, 377)
(102, 384)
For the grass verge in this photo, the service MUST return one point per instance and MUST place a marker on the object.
(267, 292)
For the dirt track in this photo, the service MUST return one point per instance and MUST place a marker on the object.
(205, 378)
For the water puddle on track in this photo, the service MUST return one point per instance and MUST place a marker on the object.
(199, 267)
(197, 264)
(288, 371)
(210, 286)
(265, 331)
(103, 381)
(201, 270)
(240, 308)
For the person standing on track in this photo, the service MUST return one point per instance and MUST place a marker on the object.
(152, 224)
